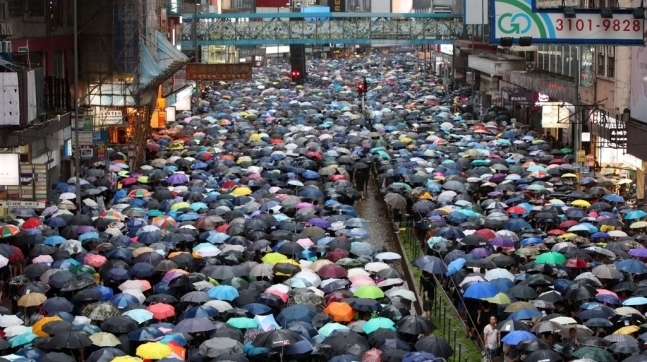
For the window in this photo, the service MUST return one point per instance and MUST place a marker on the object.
(611, 65)
(16, 7)
(601, 56)
(36, 7)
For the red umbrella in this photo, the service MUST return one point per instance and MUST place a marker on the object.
(567, 224)
(161, 311)
(516, 210)
(129, 181)
(337, 254)
(31, 223)
(556, 232)
(576, 263)
(332, 271)
(16, 256)
(486, 233)
(229, 184)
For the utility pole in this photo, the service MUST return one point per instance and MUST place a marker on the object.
(77, 148)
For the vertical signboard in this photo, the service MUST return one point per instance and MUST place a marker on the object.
(337, 6)
(125, 43)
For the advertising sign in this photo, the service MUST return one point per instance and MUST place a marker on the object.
(33, 183)
(639, 84)
(125, 42)
(447, 49)
(337, 6)
(550, 115)
(519, 18)
(217, 72)
(401, 6)
(10, 171)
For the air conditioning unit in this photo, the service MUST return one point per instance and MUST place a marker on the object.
(4, 11)
(5, 47)
(6, 29)
(530, 66)
(611, 51)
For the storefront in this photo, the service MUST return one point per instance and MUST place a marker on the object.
(489, 69)
(609, 139)
(522, 104)
(444, 61)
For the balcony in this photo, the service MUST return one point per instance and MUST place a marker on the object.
(57, 95)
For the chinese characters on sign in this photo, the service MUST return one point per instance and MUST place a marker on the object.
(216, 72)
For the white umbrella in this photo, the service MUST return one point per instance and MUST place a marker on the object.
(498, 273)
(10, 320)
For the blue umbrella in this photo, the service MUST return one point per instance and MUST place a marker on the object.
(636, 214)
(257, 308)
(635, 301)
(631, 266)
(455, 266)
(145, 334)
(418, 357)
(600, 235)
(200, 312)
(124, 300)
(481, 290)
(106, 293)
(296, 313)
(613, 198)
(142, 270)
(525, 313)
(515, 337)
(223, 292)
(502, 284)
(54, 240)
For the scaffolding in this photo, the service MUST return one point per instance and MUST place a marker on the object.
(123, 59)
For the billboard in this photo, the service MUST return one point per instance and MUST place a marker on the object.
(217, 72)
(520, 18)
(555, 115)
(401, 6)
(638, 103)
(10, 174)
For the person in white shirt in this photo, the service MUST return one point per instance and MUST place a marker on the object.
(491, 338)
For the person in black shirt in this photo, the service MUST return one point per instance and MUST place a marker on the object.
(428, 288)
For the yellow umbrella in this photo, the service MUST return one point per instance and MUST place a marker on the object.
(627, 330)
(126, 359)
(37, 328)
(638, 225)
(567, 236)
(605, 228)
(255, 137)
(104, 339)
(569, 175)
(500, 298)
(153, 350)
(32, 300)
(241, 191)
(320, 264)
(580, 203)
(518, 305)
(180, 205)
(273, 258)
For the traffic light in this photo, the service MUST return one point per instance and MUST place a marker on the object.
(296, 76)
(362, 86)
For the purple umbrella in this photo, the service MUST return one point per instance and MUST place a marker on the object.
(322, 223)
(497, 178)
(84, 229)
(177, 179)
(502, 242)
(639, 253)
(118, 274)
(480, 252)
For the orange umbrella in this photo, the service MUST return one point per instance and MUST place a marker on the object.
(340, 311)
(161, 311)
(37, 329)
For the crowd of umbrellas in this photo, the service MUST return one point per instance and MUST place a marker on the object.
(238, 239)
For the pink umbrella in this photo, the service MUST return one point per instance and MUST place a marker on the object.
(172, 274)
(95, 260)
(306, 243)
(607, 292)
(304, 205)
(43, 259)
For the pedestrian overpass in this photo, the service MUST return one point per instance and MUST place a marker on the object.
(320, 29)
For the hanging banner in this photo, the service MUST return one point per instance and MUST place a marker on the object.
(219, 72)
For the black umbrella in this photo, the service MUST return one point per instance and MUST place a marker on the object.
(544, 355)
(413, 324)
(120, 324)
(277, 338)
(347, 342)
(436, 346)
(71, 340)
(57, 357)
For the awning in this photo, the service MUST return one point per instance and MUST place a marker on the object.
(161, 64)
(155, 67)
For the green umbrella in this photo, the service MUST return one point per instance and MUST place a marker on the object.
(480, 163)
(237, 283)
(377, 323)
(535, 187)
(550, 258)
(369, 292)
(566, 150)
(82, 269)
(595, 354)
(242, 323)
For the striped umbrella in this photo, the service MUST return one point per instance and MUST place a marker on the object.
(7, 231)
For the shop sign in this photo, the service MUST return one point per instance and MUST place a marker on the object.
(67, 148)
(618, 137)
(174, 7)
(111, 118)
(219, 72)
(522, 97)
(586, 136)
(447, 49)
(14, 204)
(337, 6)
